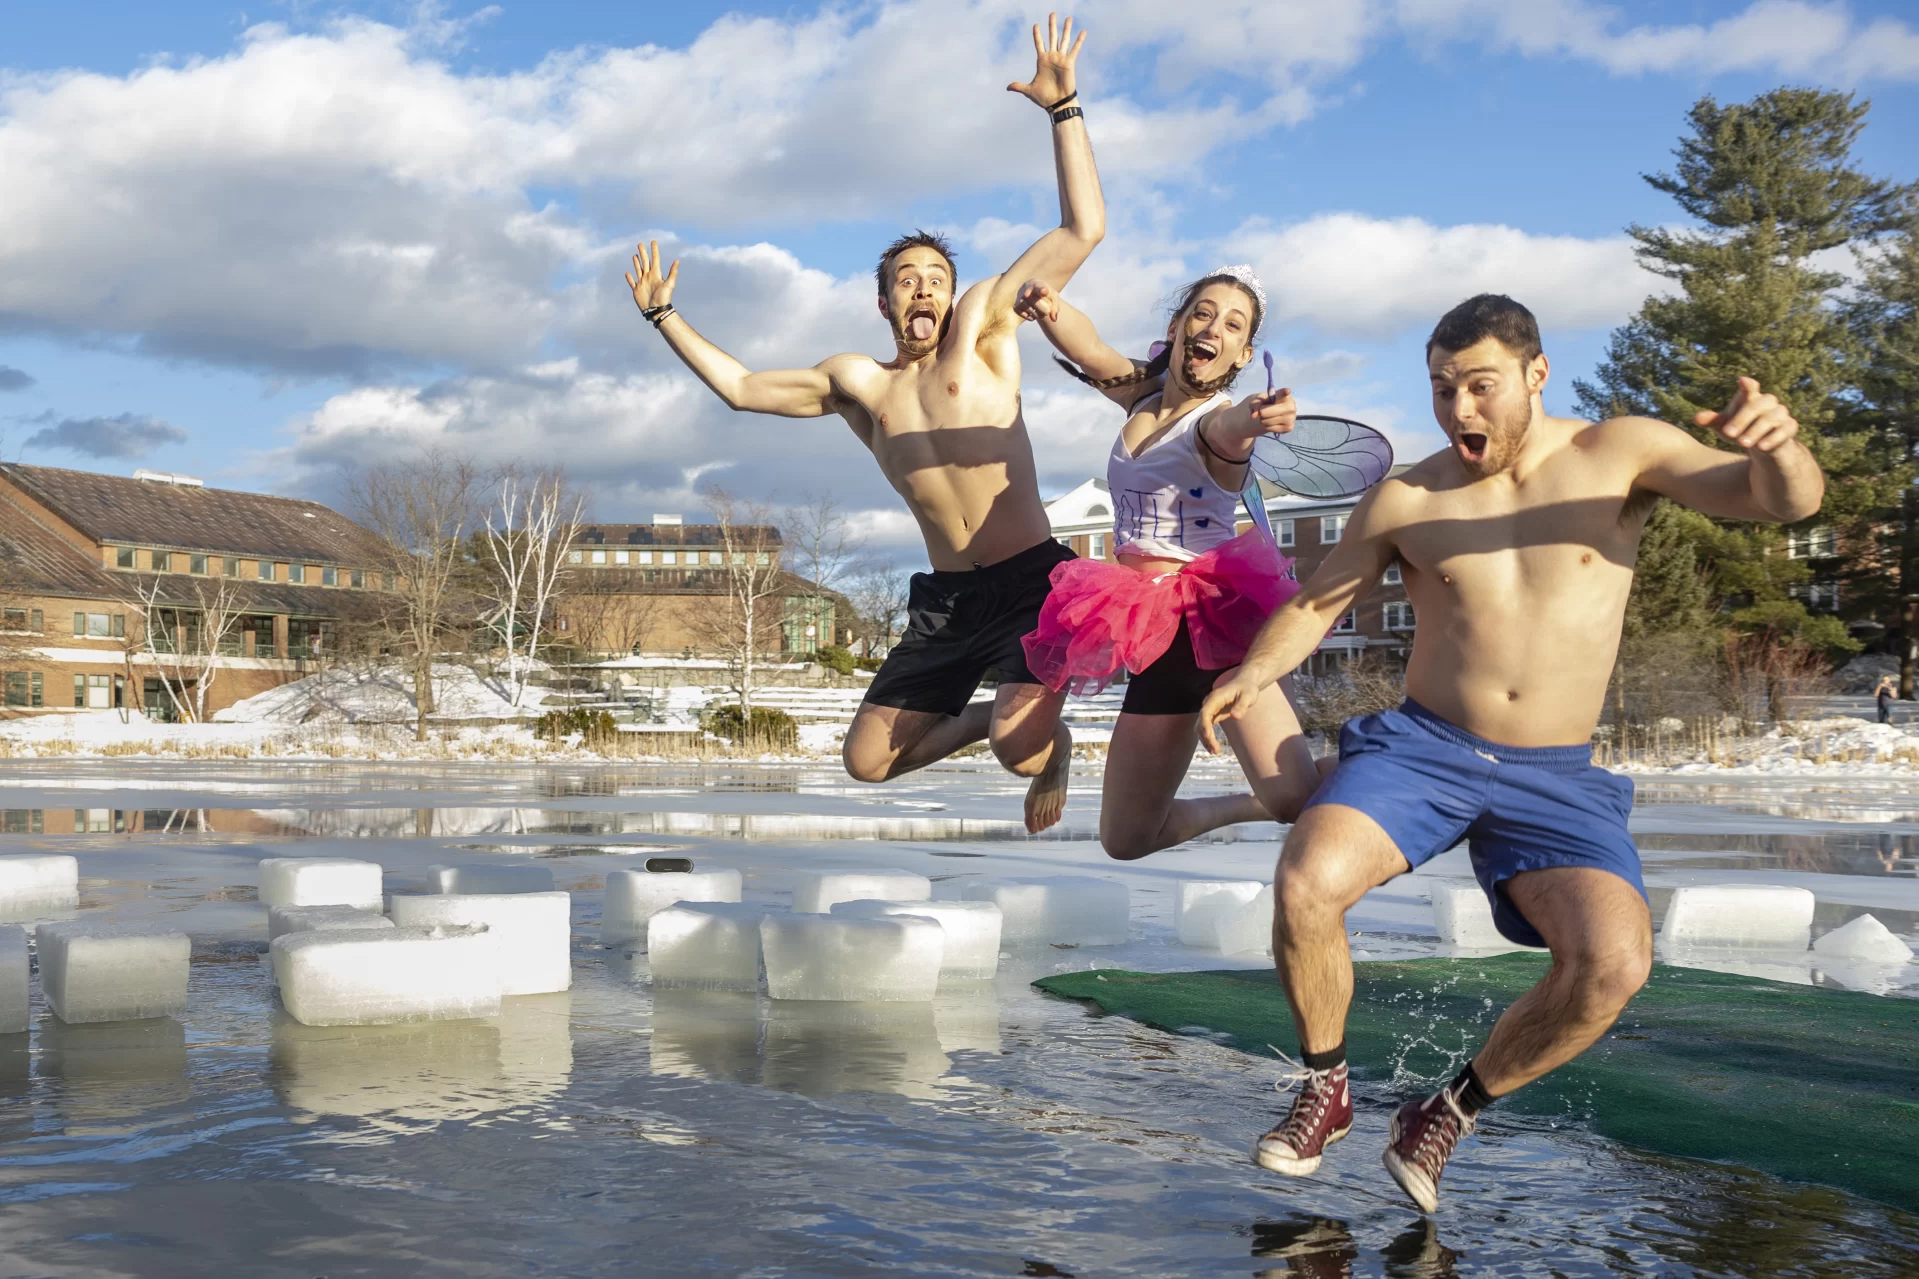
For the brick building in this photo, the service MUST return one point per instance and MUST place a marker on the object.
(1306, 529)
(657, 588)
(152, 591)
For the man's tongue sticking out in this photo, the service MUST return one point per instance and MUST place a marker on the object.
(920, 326)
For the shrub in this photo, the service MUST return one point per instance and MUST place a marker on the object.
(1360, 687)
(594, 727)
(770, 728)
(870, 663)
(835, 658)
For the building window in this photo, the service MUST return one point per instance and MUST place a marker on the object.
(669, 557)
(159, 561)
(329, 576)
(197, 565)
(229, 567)
(14, 619)
(763, 559)
(644, 557)
(263, 569)
(24, 688)
(123, 557)
(1393, 577)
(296, 573)
(1284, 532)
(714, 557)
(1347, 625)
(1096, 546)
(306, 637)
(1330, 528)
(1822, 596)
(1399, 616)
(98, 625)
(357, 579)
(119, 626)
(575, 557)
(599, 557)
(1812, 543)
(93, 692)
(621, 557)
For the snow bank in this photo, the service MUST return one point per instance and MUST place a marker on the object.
(358, 695)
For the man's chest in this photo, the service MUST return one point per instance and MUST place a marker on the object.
(1557, 537)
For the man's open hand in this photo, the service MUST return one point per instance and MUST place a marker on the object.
(1036, 301)
(1753, 419)
(651, 286)
(1053, 79)
(1228, 700)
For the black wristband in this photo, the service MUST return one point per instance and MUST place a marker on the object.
(1067, 113)
(648, 312)
(661, 314)
(1063, 101)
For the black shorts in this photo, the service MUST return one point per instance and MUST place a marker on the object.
(961, 625)
(1173, 685)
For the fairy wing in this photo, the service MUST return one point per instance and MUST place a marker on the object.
(1323, 457)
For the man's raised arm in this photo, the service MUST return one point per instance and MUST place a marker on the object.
(1290, 635)
(787, 392)
(1776, 482)
(1082, 209)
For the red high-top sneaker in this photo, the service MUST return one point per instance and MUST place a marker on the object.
(1322, 1113)
(1423, 1136)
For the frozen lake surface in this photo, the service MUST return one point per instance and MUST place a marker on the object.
(998, 1132)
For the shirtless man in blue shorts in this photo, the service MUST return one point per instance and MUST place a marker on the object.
(1517, 546)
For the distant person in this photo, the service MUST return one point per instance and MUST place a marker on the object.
(1884, 695)
(1183, 596)
(943, 420)
(1517, 544)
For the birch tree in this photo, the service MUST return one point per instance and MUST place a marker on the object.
(820, 546)
(752, 585)
(420, 510)
(529, 531)
(184, 642)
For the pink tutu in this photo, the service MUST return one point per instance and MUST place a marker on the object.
(1102, 618)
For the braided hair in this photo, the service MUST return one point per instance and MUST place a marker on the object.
(1161, 359)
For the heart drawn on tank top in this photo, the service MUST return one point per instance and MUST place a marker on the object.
(1198, 492)
(1203, 521)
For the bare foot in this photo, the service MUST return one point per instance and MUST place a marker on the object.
(1046, 797)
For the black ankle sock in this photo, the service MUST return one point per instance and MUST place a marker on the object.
(1324, 1061)
(1468, 1092)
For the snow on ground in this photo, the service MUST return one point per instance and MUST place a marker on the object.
(1857, 747)
(384, 694)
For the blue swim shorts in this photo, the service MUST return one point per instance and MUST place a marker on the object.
(1429, 783)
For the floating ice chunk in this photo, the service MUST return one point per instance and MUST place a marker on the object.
(112, 972)
(705, 945)
(374, 978)
(1246, 928)
(13, 981)
(841, 958)
(972, 932)
(632, 897)
(1739, 915)
(38, 884)
(1864, 938)
(319, 881)
(816, 892)
(1069, 909)
(534, 932)
(311, 919)
(1203, 903)
(482, 878)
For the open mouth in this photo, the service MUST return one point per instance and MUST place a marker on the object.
(1472, 444)
(1200, 352)
(921, 323)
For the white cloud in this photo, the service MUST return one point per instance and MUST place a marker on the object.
(1345, 273)
(1789, 37)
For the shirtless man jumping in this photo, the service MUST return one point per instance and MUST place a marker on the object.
(942, 418)
(1517, 546)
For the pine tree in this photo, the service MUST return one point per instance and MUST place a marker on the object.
(1886, 319)
(1770, 183)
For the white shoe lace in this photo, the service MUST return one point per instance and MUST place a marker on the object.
(1298, 1125)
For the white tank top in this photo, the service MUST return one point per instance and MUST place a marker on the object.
(1166, 504)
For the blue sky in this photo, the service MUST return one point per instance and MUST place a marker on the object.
(265, 245)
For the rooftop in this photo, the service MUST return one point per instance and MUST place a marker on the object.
(119, 510)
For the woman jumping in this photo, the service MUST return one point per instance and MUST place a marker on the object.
(1185, 596)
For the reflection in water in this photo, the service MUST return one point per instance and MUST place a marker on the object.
(116, 1070)
(1313, 1246)
(1880, 801)
(820, 1048)
(399, 1077)
(1874, 853)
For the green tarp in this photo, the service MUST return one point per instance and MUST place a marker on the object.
(1807, 1083)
